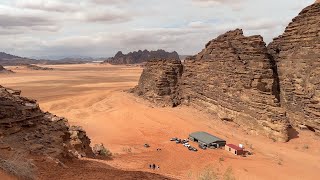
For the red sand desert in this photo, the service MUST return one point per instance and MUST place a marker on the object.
(94, 96)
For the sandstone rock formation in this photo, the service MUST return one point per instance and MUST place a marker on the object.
(297, 55)
(159, 80)
(4, 70)
(24, 127)
(141, 57)
(233, 78)
(241, 80)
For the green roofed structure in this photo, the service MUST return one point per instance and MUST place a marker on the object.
(207, 139)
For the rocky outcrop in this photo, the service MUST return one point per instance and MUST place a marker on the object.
(4, 70)
(297, 55)
(233, 78)
(37, 68)
(141, 57)
(25, 128)
(159, 80)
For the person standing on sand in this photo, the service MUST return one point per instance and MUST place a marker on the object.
(150, 166)
(154, 166)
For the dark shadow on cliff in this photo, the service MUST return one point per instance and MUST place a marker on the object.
(293, 134)
(276, 83)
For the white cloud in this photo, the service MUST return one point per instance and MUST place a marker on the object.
(102, 27)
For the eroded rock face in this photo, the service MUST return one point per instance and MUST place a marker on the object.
(24, 127)
(141, 57)
(159, 82)
(297, 55)
(233, 78)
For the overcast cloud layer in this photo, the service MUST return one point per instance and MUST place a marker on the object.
(99, 28)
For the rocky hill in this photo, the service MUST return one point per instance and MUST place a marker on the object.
(4, 70)
(159, 80)
(24, 127)
(297, 55)
(233, 78)
(137, 57)
(239, 79)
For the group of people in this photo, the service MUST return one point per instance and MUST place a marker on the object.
(153, 166)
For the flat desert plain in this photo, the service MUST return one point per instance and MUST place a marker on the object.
(94, 96)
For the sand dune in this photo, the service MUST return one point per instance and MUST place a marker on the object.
(93, 96)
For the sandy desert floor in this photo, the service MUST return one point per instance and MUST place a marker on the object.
(94, 97)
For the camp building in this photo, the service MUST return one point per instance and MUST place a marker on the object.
(207, 139)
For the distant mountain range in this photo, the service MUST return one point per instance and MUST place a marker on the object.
(137, 57)
(12, 60)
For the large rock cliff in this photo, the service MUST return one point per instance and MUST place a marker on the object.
(265, 89)
(141, 57)
(297, 55)
(233, 78)
(159, 80)
(25, 128)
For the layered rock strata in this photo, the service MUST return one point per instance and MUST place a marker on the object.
(297, 55)
(233, 78)
(24, 127)
(159, 80)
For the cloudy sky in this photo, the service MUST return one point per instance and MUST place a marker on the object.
(99, 28)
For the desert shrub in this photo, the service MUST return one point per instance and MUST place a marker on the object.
(208, 174)
(105, 152)
(19, 166)
(228, 175)
(99, 149)
(221, 159)
(127, 149)
(305, 146)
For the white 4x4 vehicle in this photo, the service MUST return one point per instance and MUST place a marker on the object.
(186, 144)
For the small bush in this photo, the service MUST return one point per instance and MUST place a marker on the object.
(99, 149)
(127, 149)
(305, 147)
(251, 146)
(221, 159)
(228, 175)
(19, 166)
(208, 174)
(105, 152)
